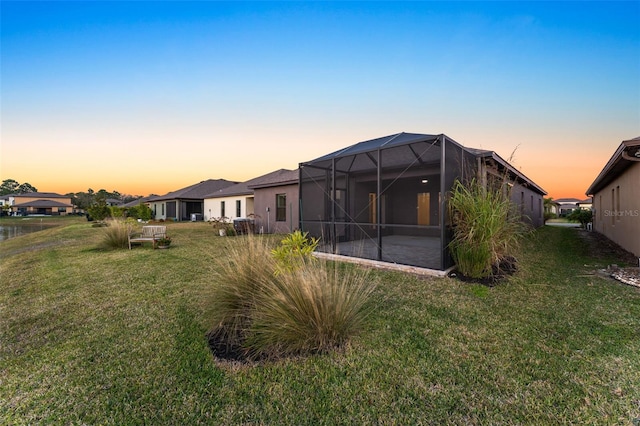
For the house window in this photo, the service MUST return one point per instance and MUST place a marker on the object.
(613, 206)
(222, 212)
(238, 208)
(617, 202)
(62, 209)
(281, 207)
(162, 209)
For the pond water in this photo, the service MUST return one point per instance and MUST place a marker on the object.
(15, 230)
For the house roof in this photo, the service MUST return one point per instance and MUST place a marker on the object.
(567, 200)
(400, 139)
(627, 154)
(39, 195)
(43, 204)
(138, 201)
(277, 178)
(247, 187)
(197, 191)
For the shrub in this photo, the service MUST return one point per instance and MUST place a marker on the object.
(314, 308)
(583, 216)
(486, 229)
(294, 249)
(258, 313)
(116, 234)
(141, 211)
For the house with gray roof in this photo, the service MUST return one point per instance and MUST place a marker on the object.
(40, 203)
(239, 202)
(186, 203)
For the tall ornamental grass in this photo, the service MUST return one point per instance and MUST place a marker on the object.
(486, 228)
(116, 234)
(262, 310)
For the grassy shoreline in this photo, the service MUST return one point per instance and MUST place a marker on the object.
(118, 337)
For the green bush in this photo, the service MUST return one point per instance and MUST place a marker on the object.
(583, 216)
(116, 234)
(486, 229)
(258, 313)
(294, 249)
(141, 211)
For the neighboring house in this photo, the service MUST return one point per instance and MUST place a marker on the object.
(251, 199)
(586, 204)
(186, 203)
(386, 199)
(40, 203)
(113, 202)
(138, 201)
(276, 201)
(616, 197)
(567, 205)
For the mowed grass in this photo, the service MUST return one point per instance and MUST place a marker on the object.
(118, 337)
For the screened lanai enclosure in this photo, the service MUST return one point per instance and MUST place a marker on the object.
(385, 199)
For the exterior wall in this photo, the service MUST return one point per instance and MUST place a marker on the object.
(266, 198)
(159, 209)
(212, 207)
(617, 210)
(530, 204)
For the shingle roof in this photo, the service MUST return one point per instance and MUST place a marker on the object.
(246, 188)
(40, 195)
(42, 204)
(278, 178)
(198, 191)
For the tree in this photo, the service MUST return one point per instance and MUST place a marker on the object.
(9, 186)
(99, 209)
(12, 186)
(26, 188)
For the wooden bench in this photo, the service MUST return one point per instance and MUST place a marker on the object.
(150, 234)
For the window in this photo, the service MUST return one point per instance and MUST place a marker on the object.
(162, 209)
(618, 202)
(613, 206)
(281, 207)
(62, 209)
(222, 209)
(238, 208)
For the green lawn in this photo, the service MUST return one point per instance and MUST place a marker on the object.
(118, 337)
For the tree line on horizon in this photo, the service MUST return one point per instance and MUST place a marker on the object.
(82, 200)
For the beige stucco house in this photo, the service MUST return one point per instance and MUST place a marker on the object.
(616, 197)
(40, 203)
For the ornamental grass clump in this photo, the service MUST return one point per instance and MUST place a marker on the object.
(116, 234)
(312, 309)
(486, 229)
(262, 310)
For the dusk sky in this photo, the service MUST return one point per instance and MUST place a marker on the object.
(150, 97)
